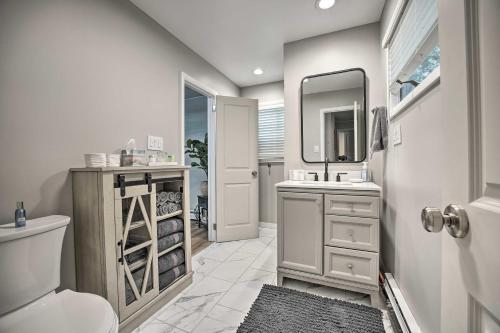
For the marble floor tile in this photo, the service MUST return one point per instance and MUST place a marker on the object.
(241, 295)
(202, 267)
(157, 326)
(221, 251)
(220, 319)
(253, 274)
(231, 269)
(267, 259)
(255, 246)
(296, 284)
(325, 291)
(359, 298)
(202, 296)
(181, 318)
(267, 232)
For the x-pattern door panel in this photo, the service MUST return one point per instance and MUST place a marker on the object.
(137, 248)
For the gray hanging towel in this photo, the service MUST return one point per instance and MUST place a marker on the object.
(380, 131)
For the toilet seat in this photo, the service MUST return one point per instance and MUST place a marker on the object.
(67, 311)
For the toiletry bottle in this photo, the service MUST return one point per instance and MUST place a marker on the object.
(364, 172)
(20, 215)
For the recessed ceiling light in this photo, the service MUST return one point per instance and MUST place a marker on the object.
(258, 71)
(325, 4)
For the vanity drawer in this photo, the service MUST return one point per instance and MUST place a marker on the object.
(358, 233)
(351, 265)
(351, 205)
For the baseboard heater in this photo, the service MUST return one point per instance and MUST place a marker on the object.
(403, 314)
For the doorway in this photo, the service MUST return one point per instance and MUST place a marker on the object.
(197, 104)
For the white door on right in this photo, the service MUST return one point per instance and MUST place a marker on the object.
(469, 32)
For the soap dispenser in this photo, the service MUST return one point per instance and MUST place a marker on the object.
(20, 215)
(364, 172)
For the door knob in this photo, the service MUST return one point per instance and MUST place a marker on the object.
(454, 219)
(254, 173)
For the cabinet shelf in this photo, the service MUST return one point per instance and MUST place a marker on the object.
(167, 216)
(137, 224)
(137, 264)
(170, 249)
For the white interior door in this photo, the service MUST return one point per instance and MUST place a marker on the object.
(236, 169)
(470, 85)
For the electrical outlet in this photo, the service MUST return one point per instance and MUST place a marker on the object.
(155, 142)
(396, 135)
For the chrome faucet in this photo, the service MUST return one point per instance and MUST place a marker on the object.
(326, 169)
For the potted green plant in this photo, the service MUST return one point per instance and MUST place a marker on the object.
(199, 150)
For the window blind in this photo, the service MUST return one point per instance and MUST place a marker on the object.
(271, 135)
(419, 20)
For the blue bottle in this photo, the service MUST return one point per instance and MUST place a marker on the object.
(20, 215)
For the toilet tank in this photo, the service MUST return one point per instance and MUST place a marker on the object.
(30, 260)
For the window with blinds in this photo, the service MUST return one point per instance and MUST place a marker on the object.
(271, 135)
(413, 52)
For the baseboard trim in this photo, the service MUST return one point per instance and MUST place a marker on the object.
(405, 318)
(268, 225)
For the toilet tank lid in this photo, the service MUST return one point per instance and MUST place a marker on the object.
(9, 232)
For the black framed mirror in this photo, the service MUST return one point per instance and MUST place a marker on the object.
(333, 117)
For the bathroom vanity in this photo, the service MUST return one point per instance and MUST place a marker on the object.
(328, 233)
(132, 237)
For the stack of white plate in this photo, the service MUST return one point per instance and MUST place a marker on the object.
(113, 160)
(95, 160)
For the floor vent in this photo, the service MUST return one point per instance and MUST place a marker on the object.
(401, 310)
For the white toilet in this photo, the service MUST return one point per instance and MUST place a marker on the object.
(30, 259)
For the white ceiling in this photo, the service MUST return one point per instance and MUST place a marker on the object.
(236, 36)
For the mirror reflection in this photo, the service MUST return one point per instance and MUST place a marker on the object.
(333, 117)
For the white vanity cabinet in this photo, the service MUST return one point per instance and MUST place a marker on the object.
(329, 234)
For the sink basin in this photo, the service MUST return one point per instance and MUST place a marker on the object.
(322, 182)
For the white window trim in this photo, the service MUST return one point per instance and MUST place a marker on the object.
(431, 81)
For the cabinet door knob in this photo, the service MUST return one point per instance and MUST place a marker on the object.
(349, 266)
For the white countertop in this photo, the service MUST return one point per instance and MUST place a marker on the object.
(329, 185)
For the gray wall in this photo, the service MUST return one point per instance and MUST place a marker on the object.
(79, 76)
(412, 180)
(269, 92)
(268, 176)
(357, 47)
(196, 124)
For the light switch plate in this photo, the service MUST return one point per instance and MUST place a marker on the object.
(155, 142)
(396, 135)
(316, 148)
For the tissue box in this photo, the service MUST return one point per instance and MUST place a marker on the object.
(134, 157)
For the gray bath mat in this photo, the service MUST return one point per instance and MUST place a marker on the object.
(279, 309)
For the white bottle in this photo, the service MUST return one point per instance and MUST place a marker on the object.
(364, 172)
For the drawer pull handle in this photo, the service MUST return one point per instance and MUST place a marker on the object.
(350, 233)
(349, 266)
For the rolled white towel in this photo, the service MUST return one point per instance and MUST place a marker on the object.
(178, 197)
(170, 196)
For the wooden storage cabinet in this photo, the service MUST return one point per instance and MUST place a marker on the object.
(117, 241)
(329, 237)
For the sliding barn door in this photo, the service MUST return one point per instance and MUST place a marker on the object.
(137, 260)
(236, 169)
